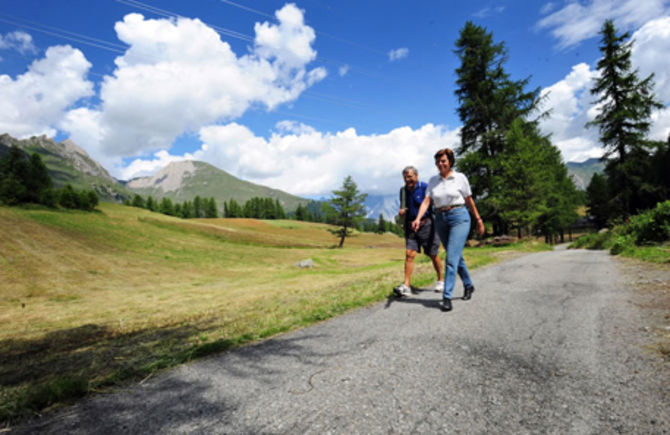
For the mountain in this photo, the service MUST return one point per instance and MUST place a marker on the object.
(388, 205)
(179, 181)
(583, 171)
(67, 163)
(183, 181)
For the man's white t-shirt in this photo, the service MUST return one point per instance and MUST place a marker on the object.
(450, 191)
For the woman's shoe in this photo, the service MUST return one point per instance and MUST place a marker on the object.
(468, 293)
(445, 305)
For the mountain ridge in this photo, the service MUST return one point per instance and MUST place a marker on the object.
(184, 180)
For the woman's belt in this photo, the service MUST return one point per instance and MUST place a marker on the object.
(449, 207)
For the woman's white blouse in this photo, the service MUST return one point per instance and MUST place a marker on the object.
(449, 191)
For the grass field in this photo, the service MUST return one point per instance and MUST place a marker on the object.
(91, 300)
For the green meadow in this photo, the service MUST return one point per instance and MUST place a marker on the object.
(89, 301)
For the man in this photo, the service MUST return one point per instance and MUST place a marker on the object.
(411, 197)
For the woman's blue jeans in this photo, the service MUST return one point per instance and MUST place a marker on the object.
(452, 228)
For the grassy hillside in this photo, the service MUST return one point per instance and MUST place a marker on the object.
(211, 182)
(89, 300)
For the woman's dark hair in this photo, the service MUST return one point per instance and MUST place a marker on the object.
(446, 152)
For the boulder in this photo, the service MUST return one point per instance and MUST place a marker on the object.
(309, 263)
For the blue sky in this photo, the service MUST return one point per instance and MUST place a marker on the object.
(297, 95)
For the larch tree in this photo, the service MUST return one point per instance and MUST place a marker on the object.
(489, 101)
(348, 204)
(625, 103)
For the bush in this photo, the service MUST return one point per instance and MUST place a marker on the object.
(593, 241)
(620, 244)
(652, 226)
(68, 197)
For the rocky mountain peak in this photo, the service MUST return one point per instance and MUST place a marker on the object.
(67, 149)
(170, 178)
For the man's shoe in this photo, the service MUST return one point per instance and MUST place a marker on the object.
(445, 305)
(439, 286)
(468, 292)
(402, 291)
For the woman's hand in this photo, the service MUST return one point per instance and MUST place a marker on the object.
(480, 227)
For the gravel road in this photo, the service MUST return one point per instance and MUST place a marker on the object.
(551, 342)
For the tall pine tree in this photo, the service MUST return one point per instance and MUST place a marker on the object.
(489, 101)
(625, 106)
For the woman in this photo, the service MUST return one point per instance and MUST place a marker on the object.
(450, 193)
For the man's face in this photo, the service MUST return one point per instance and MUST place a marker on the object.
(410, 179)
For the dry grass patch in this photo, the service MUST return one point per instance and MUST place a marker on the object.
(92, 299)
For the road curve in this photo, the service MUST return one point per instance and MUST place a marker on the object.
(549, 343)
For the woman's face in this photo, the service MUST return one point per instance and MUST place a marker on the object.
(442, 164)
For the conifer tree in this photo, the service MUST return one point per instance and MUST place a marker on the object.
(13, 173)
(187, 210)
(279, 210)
(138, 201)
(489, 101)
(300, 213)
(210, 208)
(598, 199)
(626, 103)
(381, 226)
(151, 203)
(37, 179)
(197, 207)
(166, 206)
(348, 204)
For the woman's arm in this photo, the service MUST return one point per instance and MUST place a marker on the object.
(473, 208)
(422, 209)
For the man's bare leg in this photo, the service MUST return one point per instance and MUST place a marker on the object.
(409, 265)
(437, 264)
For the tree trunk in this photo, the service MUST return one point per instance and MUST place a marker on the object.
(344, 234)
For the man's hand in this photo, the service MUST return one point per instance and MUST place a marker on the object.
(416, 223)
(402, 211)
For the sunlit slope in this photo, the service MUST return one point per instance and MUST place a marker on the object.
(130, 269)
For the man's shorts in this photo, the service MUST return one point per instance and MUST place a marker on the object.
(425, 238)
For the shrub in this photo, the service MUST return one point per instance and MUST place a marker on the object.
(68, 197)
(592, 241)
(650, 226)
(620, 244)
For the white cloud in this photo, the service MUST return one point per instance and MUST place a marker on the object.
(579, 20)
(290, 42)
(343, 70)
(398, 53)
(165, 84)
(489, 11)
(36, 101)
(570, 103)
(660, 127)
(650, 54)
(298, 159)
(19, 41)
